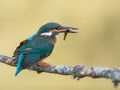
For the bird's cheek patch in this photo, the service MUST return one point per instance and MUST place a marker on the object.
(46, 34)
(54, 30)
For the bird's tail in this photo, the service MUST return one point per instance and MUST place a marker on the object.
(19, 65)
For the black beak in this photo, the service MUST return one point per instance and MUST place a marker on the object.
(67, 30)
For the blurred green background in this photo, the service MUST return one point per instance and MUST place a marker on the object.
(96, 44)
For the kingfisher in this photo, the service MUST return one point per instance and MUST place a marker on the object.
(39, 46)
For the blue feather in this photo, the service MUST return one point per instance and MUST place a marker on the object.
(30, 38)
(19, 66)
(35, 48)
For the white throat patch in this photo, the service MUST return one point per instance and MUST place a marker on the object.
(46, 34)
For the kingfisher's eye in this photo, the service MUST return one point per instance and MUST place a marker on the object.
(59, 27)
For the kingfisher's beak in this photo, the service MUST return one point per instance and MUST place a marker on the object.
(67, 30)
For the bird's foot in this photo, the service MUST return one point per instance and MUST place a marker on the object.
(44, 64)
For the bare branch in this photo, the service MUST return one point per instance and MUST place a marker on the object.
(78, 71)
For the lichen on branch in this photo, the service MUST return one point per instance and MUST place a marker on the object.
(77, 71)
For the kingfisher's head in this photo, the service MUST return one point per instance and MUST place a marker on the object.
(52, 29)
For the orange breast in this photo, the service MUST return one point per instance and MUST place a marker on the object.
(54, 40)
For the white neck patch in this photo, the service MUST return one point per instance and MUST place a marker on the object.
(46, 34)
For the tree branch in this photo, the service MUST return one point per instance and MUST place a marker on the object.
(77, 71)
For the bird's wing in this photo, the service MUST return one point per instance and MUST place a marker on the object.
(30, 52)
(23, 46)
(24, 43)
(19, 54)
(40, 49)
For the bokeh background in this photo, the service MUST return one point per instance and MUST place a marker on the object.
(96, 44)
